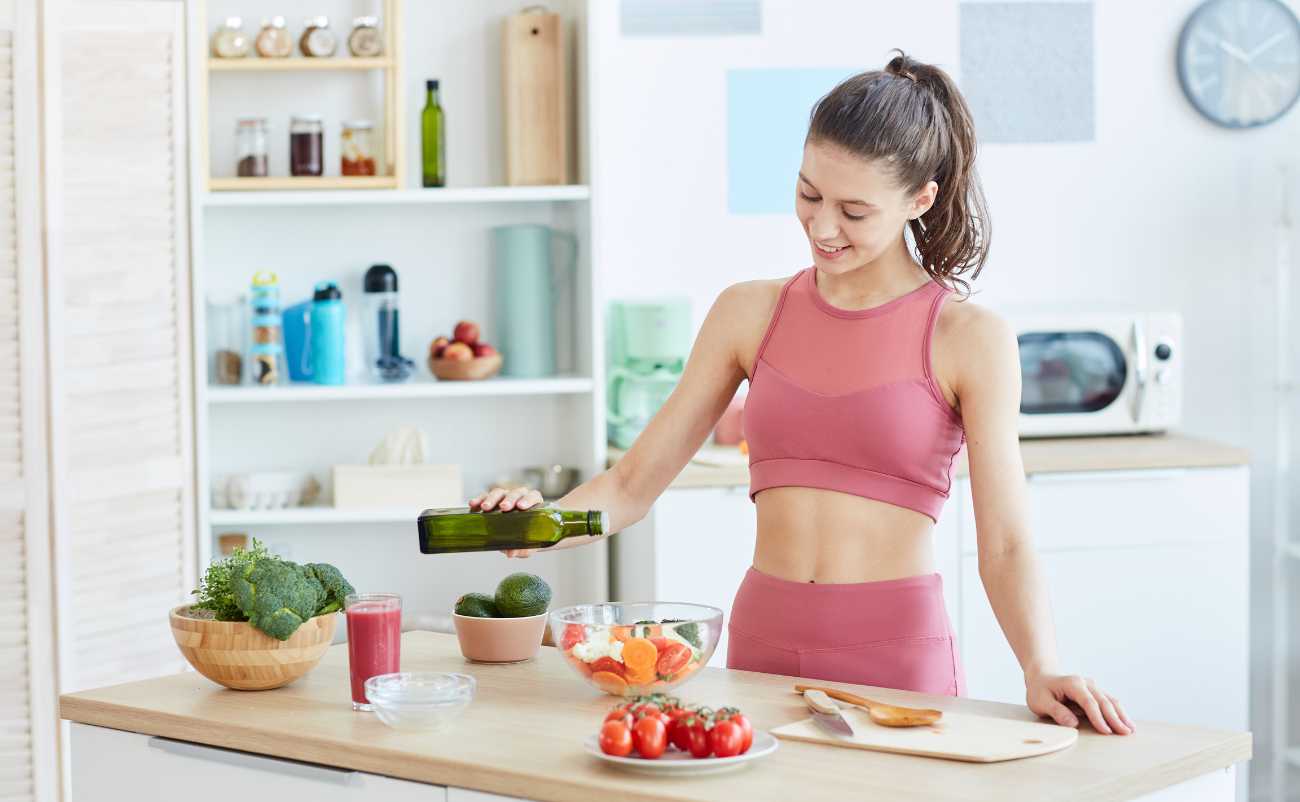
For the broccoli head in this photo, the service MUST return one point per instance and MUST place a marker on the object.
(277, 596)
(336, 587)
(690, 632)
(214, 591)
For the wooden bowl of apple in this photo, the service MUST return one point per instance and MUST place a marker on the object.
(464, 357)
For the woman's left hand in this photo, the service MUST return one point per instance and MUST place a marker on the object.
(1048, 694)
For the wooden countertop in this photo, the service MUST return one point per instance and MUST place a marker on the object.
(522, 737)
(1041, 455)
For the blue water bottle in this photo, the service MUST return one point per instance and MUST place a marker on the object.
(327, 319)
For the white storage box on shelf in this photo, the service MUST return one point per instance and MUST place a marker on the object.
(415, 486)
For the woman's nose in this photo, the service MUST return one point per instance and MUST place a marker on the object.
(822, 227)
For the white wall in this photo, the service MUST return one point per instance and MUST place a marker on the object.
(1162, 210)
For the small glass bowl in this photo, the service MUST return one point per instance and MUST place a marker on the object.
(419, 700)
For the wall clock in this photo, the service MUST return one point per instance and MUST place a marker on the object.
(1239, 61)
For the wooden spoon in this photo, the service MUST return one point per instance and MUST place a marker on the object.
(881, 713)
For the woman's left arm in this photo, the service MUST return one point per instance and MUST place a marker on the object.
(987, 385)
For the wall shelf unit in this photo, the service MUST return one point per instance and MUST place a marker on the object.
(291, 196)
(417, 388)
(297, 63)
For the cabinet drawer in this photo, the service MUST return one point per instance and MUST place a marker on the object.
(1120, 509)
(109, 765)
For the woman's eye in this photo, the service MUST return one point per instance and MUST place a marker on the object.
(808, 197)
(854, 216)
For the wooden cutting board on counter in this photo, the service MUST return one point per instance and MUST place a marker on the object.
(956, 736)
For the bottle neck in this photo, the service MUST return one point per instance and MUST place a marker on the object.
(577, 523)
(431, 97)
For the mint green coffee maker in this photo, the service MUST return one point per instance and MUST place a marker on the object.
(647, 342)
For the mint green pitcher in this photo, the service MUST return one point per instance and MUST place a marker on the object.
(528, 271)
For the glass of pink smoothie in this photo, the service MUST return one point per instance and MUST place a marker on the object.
(374, 639)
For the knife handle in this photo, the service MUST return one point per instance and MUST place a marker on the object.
(820, 702)
(843, 696)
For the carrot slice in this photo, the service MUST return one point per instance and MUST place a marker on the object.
(609, 683)
(639, 655)
(640, 678)
(621, 633)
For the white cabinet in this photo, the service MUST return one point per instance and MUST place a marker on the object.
(108, 766)
(1148, 579)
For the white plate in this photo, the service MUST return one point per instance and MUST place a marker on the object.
(674, 762)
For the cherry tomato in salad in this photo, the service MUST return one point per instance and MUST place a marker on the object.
(573, 635)
(726, 738)
(649, 737)
(615, 739)
(673, 658)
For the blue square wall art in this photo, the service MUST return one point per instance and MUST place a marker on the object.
(767, 120)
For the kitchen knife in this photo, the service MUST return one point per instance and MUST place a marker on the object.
(827, 714)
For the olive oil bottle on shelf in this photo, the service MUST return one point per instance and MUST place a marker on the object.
(433, 139)
(458, 529)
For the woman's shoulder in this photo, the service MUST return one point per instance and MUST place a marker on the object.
(750, 299)
(974, 334)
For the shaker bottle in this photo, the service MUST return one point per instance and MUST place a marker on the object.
(327, 319)
(266, 355)
(382, 326)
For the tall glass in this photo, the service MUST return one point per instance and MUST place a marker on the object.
(374, 639)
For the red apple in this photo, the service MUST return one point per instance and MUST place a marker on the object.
(466, 332)
(483, 349)
(458, 352)
(438, 346)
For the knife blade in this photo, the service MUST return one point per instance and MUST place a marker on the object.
(827, 714)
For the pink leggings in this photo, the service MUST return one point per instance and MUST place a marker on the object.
(891, 634)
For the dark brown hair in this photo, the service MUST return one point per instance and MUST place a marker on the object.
(911, 118)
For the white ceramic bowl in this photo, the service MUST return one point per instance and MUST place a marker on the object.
(419, 700)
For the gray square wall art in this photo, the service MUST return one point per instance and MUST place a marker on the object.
(1026, 70)
(690, 17)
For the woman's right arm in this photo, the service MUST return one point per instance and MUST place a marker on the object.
(713, 372)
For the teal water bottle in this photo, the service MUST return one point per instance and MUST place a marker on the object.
(327, 318)
(527, 271)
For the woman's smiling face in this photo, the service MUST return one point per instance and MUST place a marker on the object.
(851, 209)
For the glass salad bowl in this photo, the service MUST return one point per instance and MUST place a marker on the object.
(626, 649)
(419, 700)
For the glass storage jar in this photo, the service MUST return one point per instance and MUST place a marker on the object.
(366, 41)
(230, 41)
(317, 40)
(273, 41)
(356, 144)
(305, 145)
(250, 147)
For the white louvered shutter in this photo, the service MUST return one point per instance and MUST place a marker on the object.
(28, 728)
(121, 387)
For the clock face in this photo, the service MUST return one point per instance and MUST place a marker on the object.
(1239, 61)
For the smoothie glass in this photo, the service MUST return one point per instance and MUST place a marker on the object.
(374, 639)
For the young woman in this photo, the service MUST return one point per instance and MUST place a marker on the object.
(866, 378)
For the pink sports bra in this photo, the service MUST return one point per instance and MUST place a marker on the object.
(846, 400)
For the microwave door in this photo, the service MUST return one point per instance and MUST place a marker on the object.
(1070, 373)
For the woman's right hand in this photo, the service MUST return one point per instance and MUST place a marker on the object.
(498, 498)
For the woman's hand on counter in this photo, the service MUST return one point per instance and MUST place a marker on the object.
(520, 498)
(1048, 695)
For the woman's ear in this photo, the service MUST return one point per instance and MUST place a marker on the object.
(923, 200)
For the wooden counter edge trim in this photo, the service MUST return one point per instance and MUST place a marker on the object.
(1213, 758)
(355, 757)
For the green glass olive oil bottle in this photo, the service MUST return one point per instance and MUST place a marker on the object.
(433, 141)
(458, 529)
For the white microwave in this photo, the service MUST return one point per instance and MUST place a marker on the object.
(1086, 374)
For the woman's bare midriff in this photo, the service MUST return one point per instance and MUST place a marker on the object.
(812, 535)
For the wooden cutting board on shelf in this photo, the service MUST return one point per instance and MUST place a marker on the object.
(957, 736)
(536, 91)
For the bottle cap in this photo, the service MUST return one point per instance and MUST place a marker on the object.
(431, 84)
(326, 291)
(234, 23)
(381, 278)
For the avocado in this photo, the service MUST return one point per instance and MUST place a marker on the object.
(521, 595)
(478, 605)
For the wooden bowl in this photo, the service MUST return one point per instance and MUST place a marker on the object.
(481, 367)
(239, 656)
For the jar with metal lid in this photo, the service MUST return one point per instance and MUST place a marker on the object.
(230, 41)
(250, 147)
(306, 145)
(366, 41)
(317, 40)
(273, 41)
(356, 145)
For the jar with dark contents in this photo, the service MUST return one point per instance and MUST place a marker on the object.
(317, 40)
(250, 147)
(306, 145)
(357, 149)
